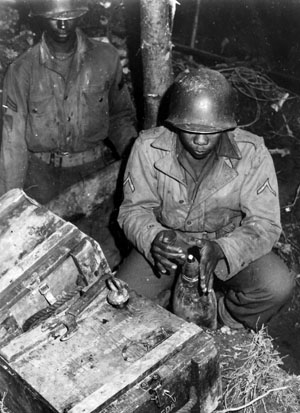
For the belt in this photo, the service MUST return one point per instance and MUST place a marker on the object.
(68, 160)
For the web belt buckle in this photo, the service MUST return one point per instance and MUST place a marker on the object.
(56, 159)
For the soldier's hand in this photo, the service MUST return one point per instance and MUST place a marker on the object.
(166, 254)
(210, 254)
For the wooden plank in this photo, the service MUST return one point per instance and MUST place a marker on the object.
(83, 197)
(177, 375)
(119, 383)
(38, 248)
(206, 370)
(36, 337)
(37, 266)
(10, 199)
(18, 395)
(19, 269)
(112, 352)
(63, 279)
(64, 373)
(22, 230)
(24, 290)
(25, 343)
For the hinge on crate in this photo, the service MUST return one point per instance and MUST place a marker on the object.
(159, 394)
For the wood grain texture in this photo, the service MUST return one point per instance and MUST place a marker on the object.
(89, 373)
(40, 250)
(102, 366)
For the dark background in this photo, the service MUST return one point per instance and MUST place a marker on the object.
(264, 30)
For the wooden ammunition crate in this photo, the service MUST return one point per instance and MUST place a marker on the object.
(44, 261)
(135, 359)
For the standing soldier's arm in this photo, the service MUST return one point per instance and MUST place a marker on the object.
(122, 115)
(13, 155)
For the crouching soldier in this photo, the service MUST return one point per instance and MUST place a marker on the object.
(214, 186)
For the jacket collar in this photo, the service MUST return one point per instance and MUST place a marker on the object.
(168, 164)
(82, 45)
(224, 169)
(166, 140)
(227, 147)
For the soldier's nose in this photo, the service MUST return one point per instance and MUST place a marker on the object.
(201, 139)
(62, 24)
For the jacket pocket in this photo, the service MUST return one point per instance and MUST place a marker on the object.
(221, 220)
(95, 109)
(225, 230)
(42, 120)
(41, 106)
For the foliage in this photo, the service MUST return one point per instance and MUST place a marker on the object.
(255, 382)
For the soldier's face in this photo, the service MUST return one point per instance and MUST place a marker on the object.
(199, 145)
(61, 30)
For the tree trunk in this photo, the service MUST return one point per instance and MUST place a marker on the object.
(195, 24)
(156, 54)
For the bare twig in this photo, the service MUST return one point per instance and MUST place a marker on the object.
(195, 25)
(2, 406)
(290, 206)
(235, 409)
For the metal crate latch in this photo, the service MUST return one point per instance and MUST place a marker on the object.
(159, 394)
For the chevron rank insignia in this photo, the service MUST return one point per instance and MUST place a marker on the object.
(11, 104)
(266, 185)
(128, 181)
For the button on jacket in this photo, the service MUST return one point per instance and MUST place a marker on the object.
(43, 112)
(235, 204)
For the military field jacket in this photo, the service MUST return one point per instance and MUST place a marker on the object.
(236, 203)
(43, 112)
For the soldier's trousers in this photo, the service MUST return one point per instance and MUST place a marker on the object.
(250, 298)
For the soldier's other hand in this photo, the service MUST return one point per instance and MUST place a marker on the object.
(210, 254)
(166, 254)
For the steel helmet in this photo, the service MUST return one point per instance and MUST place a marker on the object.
(202, 101)
(58, 9)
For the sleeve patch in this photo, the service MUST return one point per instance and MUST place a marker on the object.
(11, 104)
(264, 186)
(128, 181)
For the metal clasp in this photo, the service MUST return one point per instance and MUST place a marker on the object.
(158, 394)
(56, 158)
(44, 289)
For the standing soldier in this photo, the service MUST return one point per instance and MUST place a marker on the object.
(61, 100)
